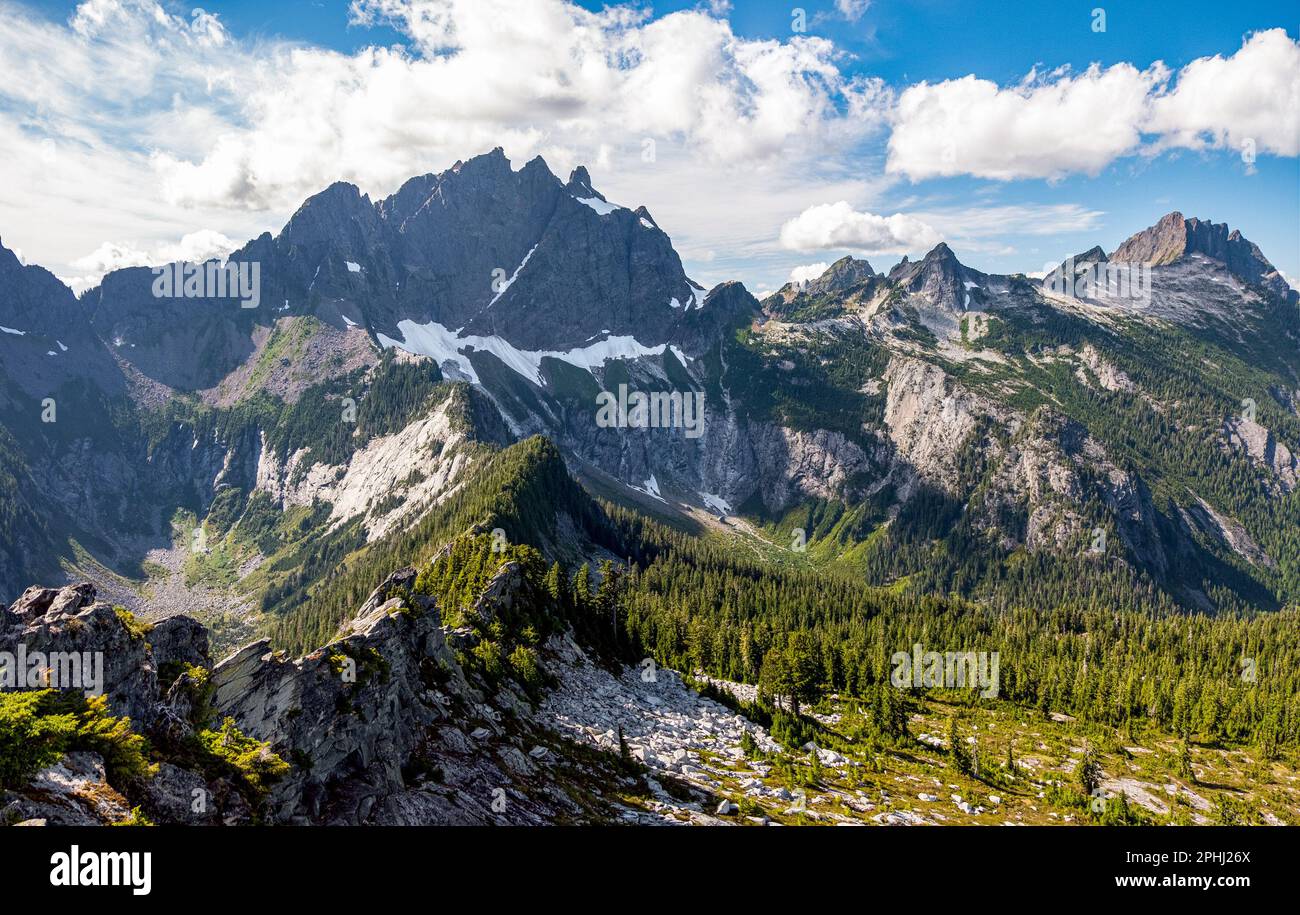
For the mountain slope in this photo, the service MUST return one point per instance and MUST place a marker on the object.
(931, 427)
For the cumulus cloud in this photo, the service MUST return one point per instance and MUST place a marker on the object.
(808, 272)
(129, 122)
(1252, 97)
(1043, 128)
(1062, 122)
(195, 247)
(837, 226)
(533, 76)
(162, 122)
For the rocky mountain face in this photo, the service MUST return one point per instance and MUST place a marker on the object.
(1037, 419)
(384, 725)
(46, 334)
(1176, 237)
(479, 250)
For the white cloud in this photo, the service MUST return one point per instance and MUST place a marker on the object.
(852, 10)
(837, 226)
(1013, 219)
(162, 123)
(128, 124)
(1254, 95)
(533, 76)
(1042, 128)
(1059, 123)
(808, 272)
(195, 247)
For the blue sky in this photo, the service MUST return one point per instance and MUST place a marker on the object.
(879, 129)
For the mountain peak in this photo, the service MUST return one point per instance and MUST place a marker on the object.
(495, 155)
(580, 185)
(849, 263)
(1175, 237)
(844, 273)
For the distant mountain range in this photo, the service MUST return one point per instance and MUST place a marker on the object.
(932, 427)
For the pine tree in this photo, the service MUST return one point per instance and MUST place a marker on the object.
(553, 579)
(582, 589)
(1185, 770)
(956, 749)
(1089, 772)
(803, 671)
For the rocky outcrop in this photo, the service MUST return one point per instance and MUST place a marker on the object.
(796, 464)
(1175, 237)
(70, 622)
(930, 420)
(354, 712)
(382, 725)
(1264, 450)
(73, 791)
(391, 480)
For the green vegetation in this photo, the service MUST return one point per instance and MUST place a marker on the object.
(38, 727)
(227, 752)
(519, 490)
(698, 606)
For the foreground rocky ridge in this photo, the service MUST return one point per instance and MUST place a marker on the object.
(383, 725)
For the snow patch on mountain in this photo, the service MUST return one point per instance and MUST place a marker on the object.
(514, 276)
(444, 345)
(603, 207)
(716, 503)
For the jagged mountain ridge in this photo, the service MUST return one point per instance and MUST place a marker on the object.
(1175, 237)
(870, 392)
(479, 249)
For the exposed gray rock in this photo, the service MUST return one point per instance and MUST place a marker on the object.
(1264, 450)
(71, 792)
(1175, 237)
(72, 623)
(179, 640)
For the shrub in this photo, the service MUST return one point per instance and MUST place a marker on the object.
(790, 730)
(492, 659)
(135, 818)
(369, 664)
(36, 728)
(29, 739)
(124, 751)
(137, 629)
(228, 751)
(527, 666)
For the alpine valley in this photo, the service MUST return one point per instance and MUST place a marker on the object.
(367, 552)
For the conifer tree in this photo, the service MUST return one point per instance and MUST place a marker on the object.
(1089, 770)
